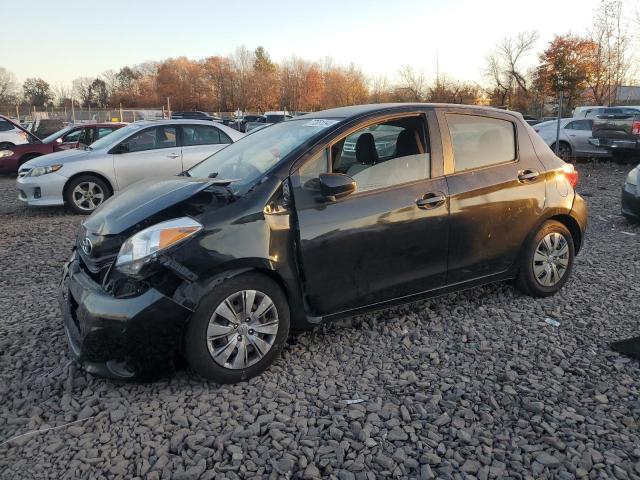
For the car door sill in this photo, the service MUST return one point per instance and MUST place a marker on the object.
(436, 292)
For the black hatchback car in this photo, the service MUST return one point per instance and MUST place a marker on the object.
(282, 230)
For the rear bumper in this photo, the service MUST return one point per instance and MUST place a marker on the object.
(631, 205)
(121, 338)
(615, 144)
(580, 212)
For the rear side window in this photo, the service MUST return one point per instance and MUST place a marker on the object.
(202, 135)
(481, 141)
(103, 132)
(579, 125)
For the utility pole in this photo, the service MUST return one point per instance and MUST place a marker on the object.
(169, 107)
(557, 149)
(73, 112)
(121, 117)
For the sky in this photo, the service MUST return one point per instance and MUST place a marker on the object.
(60, 41)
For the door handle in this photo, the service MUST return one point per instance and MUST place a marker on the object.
(173, 155)
(528, 175)
(431, 200)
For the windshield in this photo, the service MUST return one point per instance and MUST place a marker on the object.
(59, 133)
(115, 137)
(251, 156)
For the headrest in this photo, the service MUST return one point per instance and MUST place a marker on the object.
(366, 152)
(406, 144)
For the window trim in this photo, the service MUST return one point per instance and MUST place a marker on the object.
(447, 142)
(423, 114)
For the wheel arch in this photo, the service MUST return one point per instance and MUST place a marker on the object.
(80, 174)
(572, 225)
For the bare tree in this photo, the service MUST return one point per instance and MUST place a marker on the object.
(506, 70)
(412, 84)
(8, 87)
(613, 52)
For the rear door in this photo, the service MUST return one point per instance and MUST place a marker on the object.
(389, 238)
(200, 141)
(496, 187)
(579, 132)
(150, 152)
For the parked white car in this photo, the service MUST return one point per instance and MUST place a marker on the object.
(574, 137)
(84, 178)
(11, 134)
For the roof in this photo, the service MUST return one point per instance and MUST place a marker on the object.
(357, 110)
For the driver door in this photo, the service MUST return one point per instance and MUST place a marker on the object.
(388, 239)
(151, 152)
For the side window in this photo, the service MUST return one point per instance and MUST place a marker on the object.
(73, 136)
(571, 126)
(151, 139)
(481, 141)
(582, 125)
(200, 135)
(103, 132)
(309, 173)
(384, 154)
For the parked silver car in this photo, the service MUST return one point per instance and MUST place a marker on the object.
(84, 178)
(11, 134)
(574, 137)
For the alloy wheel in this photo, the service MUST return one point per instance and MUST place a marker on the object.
(242, 329)
(87, 196)
(551, 259)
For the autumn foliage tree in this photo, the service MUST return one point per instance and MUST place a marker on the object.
(567, 64)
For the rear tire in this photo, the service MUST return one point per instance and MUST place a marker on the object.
(228, 339)
(85, 193)
(547, 260)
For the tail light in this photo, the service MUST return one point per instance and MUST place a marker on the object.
(571, 174)
(635, 128)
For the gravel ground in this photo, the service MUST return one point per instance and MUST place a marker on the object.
(468, 385)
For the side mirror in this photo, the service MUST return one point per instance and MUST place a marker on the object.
(336, 185)
(59, 140)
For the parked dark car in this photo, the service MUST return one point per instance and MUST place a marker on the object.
(65, 139)
(242, 122)
(195, 115)
(631, 195)
(617, 130)
(272, 233)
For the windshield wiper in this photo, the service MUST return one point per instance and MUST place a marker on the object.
(212, 175)
(184, 173)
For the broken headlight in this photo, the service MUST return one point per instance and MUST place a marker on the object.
(144, 246)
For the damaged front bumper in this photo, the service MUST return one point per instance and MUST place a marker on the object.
(136, 337)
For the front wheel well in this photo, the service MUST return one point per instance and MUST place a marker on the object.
(571, 223)
(81, 174)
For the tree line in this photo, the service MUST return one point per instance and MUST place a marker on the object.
(588, 68)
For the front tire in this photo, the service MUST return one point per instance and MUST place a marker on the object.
(238, 329)
(547, 260)
(85, 193)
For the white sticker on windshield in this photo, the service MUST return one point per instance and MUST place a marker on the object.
(320, 122)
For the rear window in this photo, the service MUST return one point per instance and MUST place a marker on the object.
(481, 141)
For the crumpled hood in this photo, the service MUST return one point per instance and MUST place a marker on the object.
(140, 201)
(57, 158)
